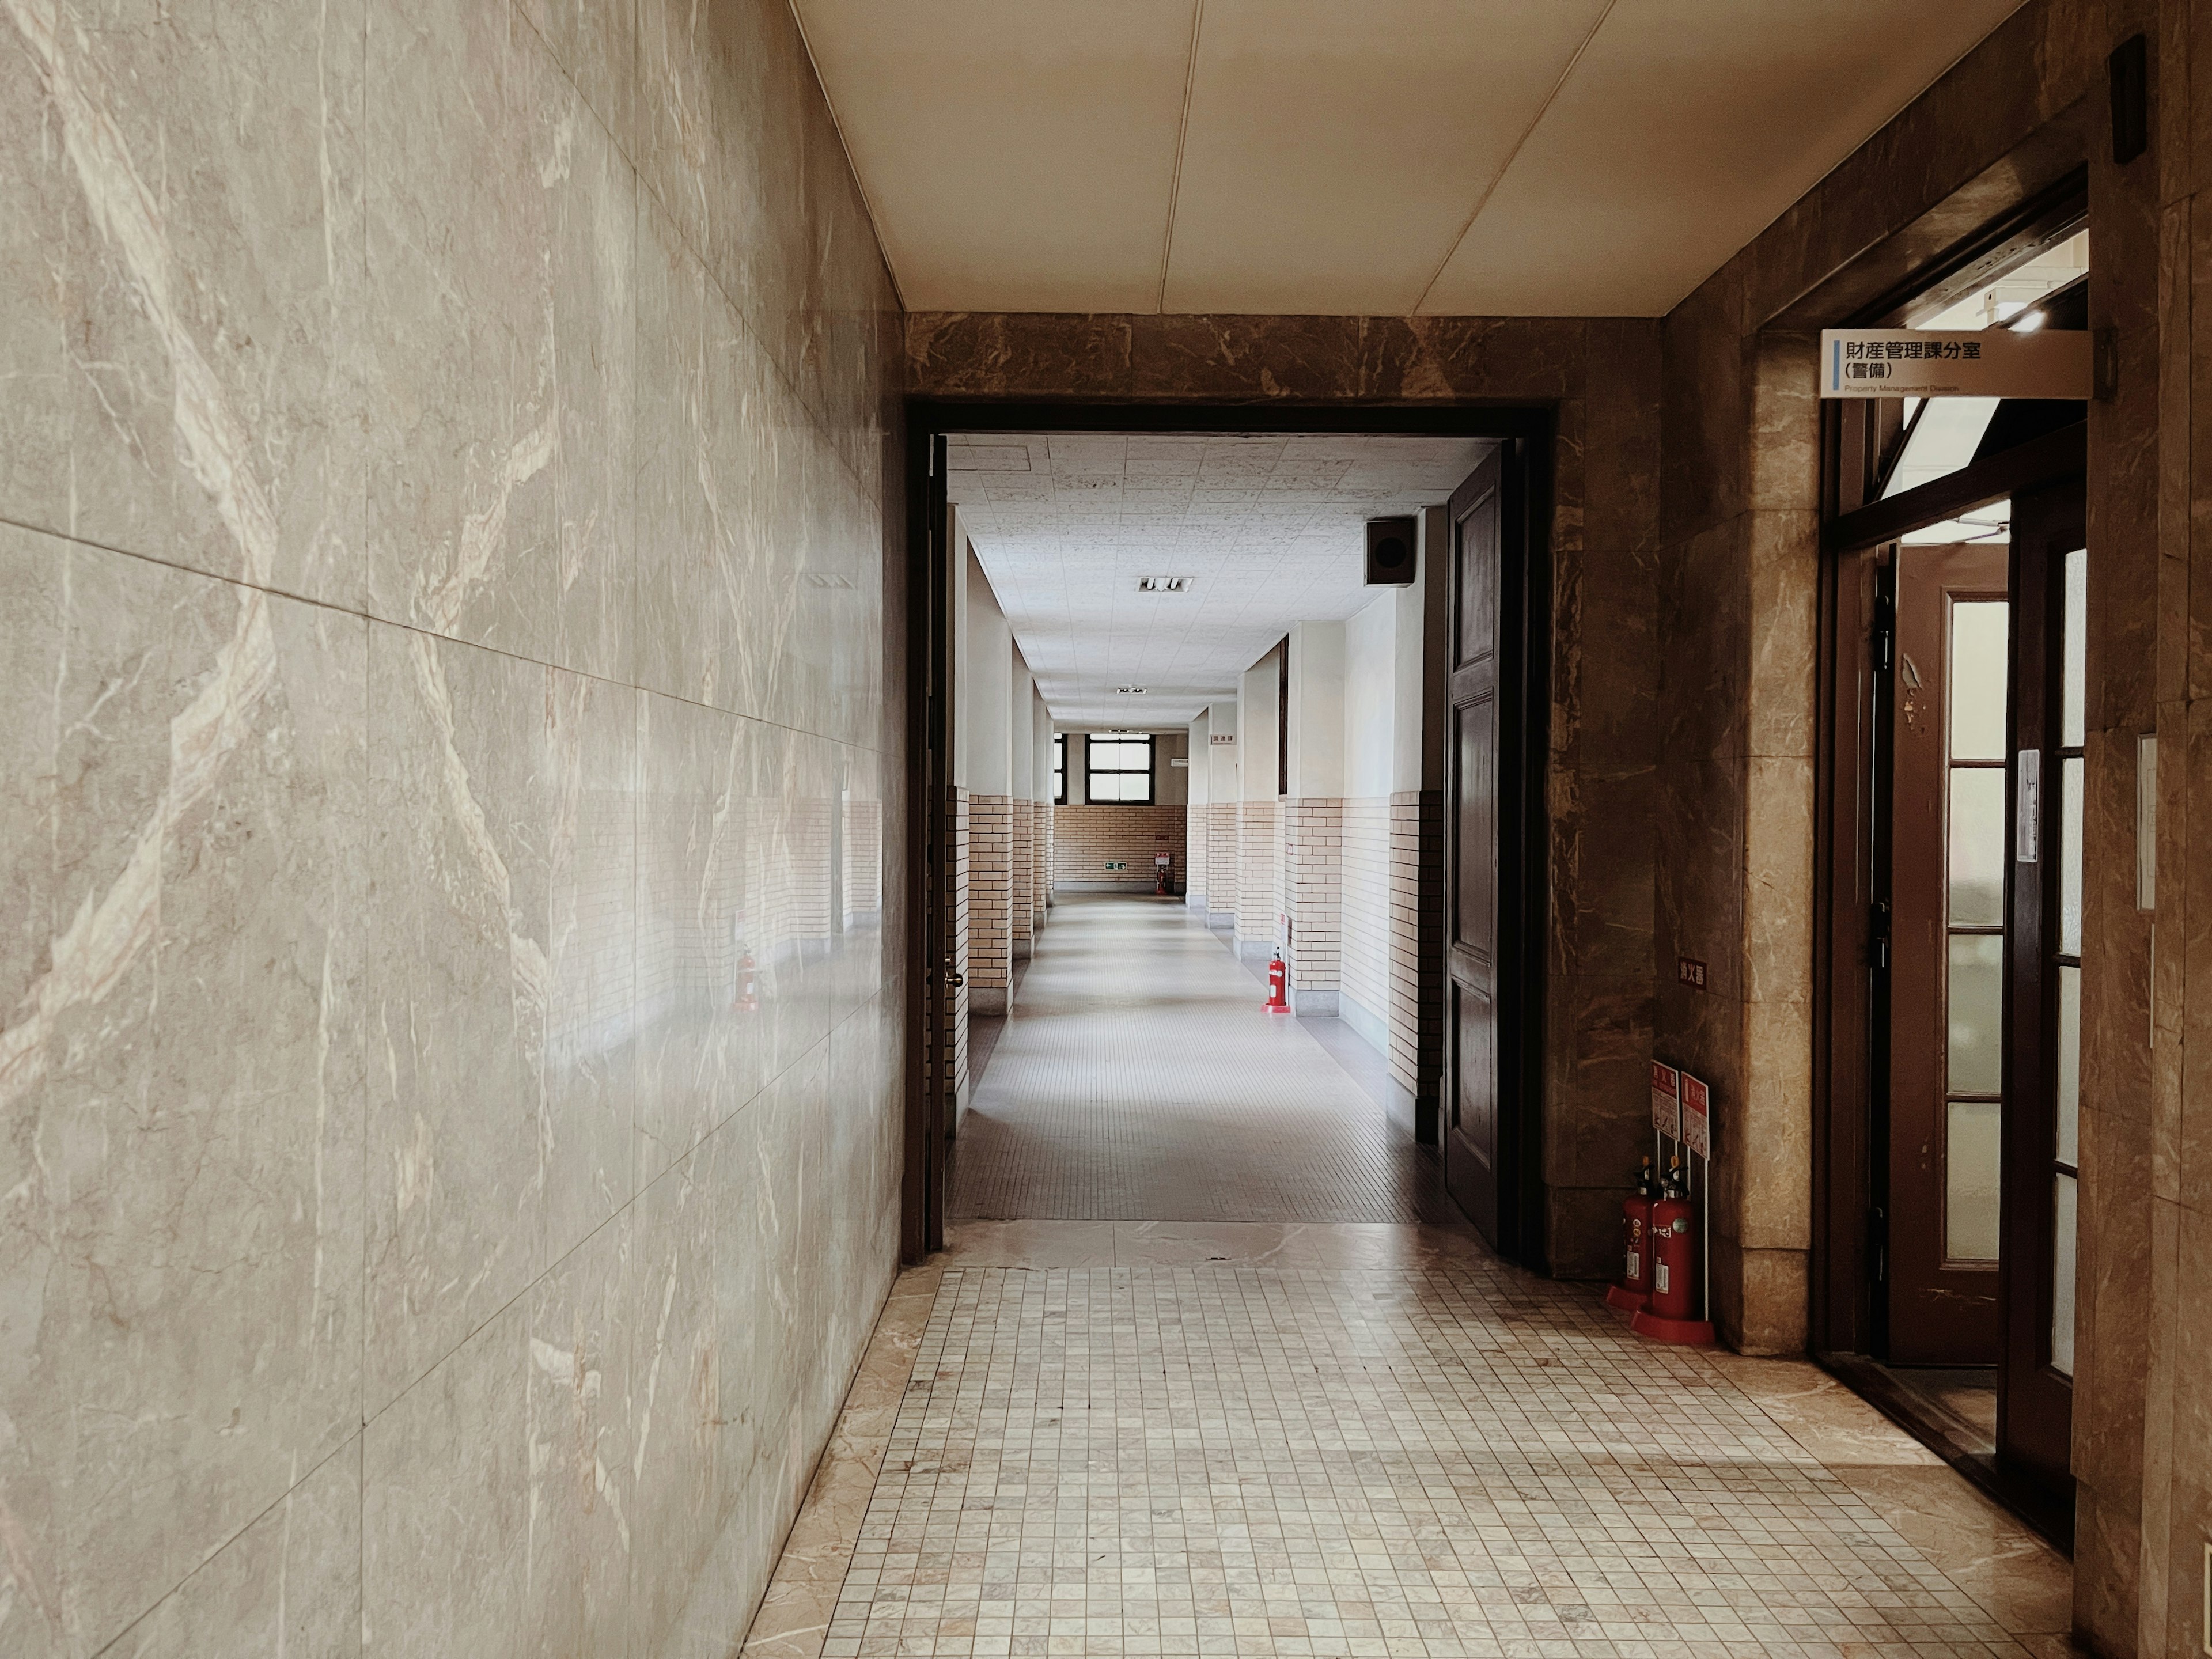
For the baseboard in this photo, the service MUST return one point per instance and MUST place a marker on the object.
(1314, 1005)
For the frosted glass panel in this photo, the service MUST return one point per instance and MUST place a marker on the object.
(2069, 856)
(1978, 846)
(2069, 1065)
(1120, 786)
(1977, 1019)
(1978, 679)
(2062, 1275)
(1973, 1146)
(2074, 674)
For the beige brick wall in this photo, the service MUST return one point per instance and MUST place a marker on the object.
(1259, 871)
(1086, 838)
(1223, 872)
(990, 896)
(1364, 917)
(1417, 1008)
(1313, 886)
(1021, 919)
(1193, 876)
(1047, 814)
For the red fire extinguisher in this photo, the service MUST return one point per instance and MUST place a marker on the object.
(1277, 983)
(1673, 1250)
(1634, 1289)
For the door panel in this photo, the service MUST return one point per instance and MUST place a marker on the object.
(1474, 839)
(2042, 983)
(1477, 1139)
(1947, 790)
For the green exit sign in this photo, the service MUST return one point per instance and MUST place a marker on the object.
(1117, 864)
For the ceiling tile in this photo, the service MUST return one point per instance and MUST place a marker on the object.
(1017, 156)
(1683, 133)
(1335, 151)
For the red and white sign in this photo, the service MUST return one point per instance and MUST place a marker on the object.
(1696, 1116)
(1666, 1101)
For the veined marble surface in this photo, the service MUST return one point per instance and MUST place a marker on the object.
(447, 1111)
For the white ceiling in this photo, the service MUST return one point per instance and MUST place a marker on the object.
(1271, 530)
(1381, 157)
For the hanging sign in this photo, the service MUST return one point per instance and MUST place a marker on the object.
(1993, 362)
(1666, 1101)
(1696, 1116)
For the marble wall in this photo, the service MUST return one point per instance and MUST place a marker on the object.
(448, 1082)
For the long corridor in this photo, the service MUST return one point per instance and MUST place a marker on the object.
(1148, 1430)
(1138, 1078)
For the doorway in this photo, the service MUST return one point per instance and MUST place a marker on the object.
(1489, 816)
(1951, 862)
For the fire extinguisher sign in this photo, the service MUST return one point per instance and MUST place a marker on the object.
(1666, 1101)
(1696, 1116)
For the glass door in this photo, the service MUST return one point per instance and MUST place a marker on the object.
(2043, 972)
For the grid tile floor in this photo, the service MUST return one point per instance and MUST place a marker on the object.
(1459, 1460)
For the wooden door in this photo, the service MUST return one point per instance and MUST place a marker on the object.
(2051, 571)
(931, 1100)
(1477, 1141)
(1947, 862)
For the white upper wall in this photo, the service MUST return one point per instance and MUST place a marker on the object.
(1259, 710)
(1316, 710)
(1222, 784)
(988, 718)
(1201, 759)
(1370, 700)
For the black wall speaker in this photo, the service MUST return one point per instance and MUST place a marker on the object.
(1390, 559)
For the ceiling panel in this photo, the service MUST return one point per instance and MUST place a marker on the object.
(1334, 151)
(1023, 157)
(1683, 133)
(1017, 156)
(1269, 529)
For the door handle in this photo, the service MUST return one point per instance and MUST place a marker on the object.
(954, 982)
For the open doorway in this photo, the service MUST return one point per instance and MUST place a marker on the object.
(1953, 860)
(1240, 749)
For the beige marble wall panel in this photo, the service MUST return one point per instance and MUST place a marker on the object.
(179, 1070)
(368, 959)
(290, 1583)
(182, 241)
(464, 412)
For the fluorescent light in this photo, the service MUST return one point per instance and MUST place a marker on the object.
(2028, 322)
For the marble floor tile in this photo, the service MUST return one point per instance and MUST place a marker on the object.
(1029, 1244)
(795, 1615)
(1194, 1444)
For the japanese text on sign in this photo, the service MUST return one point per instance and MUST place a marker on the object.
(1696, 1116)
(1665, 1101)
(1998, 362)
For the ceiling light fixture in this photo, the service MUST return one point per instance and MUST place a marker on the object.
(1163, 584)
(1129, 690)
(2029, 323)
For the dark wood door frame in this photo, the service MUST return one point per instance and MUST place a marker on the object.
(1525, 432)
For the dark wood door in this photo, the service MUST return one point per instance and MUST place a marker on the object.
(2050, 579)
(1476, 1132)
(1948, 854)
(932, 593)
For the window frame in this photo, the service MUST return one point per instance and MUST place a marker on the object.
(1149, 772)
(1059, 768)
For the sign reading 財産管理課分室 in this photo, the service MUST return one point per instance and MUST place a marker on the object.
(1994, 363)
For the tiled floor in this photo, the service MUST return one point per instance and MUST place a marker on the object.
(1176, 1436)
(1138, 1078)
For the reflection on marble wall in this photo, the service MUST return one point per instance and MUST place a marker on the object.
(448, 1048)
